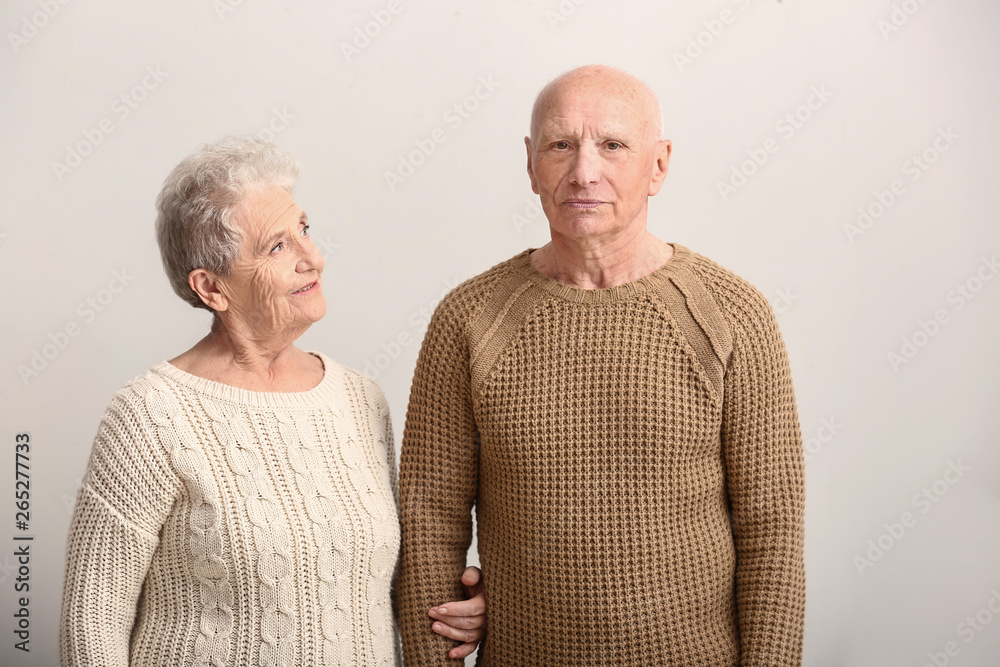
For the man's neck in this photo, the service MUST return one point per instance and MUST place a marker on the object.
(589, 264)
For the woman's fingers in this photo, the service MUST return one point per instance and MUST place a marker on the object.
(463, 650)
(458, 634)
(473, 607)
(470, 622)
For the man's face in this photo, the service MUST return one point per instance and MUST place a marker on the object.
(595, 159)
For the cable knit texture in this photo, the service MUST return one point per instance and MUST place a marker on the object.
(219, 526)
(635, 462)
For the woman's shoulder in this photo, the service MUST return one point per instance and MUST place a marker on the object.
(134, 394)
(129, 446)
(349, 384)
(337, 373)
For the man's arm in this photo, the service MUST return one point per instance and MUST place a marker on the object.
(762, 447)
(438, 485)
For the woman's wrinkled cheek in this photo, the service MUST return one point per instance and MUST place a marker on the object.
(270, 302)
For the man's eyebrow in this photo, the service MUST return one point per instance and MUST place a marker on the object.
(604, 133)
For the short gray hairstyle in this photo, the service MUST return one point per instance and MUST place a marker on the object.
(194, 212)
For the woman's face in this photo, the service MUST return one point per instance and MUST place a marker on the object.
(274, 287)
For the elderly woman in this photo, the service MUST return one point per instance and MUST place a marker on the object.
(239, 502)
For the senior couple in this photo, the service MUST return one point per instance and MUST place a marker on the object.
(618, 410)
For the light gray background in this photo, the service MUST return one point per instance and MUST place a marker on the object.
(877, 432)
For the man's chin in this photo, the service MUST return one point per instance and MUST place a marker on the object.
(588, 224)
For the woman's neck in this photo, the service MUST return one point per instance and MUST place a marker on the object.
(228, 357)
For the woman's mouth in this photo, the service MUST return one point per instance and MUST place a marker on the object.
(306, 288)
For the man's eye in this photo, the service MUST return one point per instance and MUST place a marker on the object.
(561, 145)
(613, 145)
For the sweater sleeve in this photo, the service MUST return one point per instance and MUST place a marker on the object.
(438, 486)
(124, 499)
(762, 447)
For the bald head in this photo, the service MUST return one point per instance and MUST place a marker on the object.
(602, 82)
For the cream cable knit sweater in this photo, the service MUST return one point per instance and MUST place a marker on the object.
(218, 526)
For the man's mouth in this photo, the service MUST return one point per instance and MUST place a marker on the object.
(583, 203)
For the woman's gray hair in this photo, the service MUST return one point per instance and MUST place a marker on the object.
(194, 212)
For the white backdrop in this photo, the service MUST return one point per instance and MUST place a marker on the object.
(839, 156)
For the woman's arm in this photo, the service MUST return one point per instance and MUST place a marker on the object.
(106, 563)
(126, 494)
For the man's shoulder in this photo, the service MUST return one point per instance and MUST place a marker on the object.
(747, 313)
(469, 296)
(728, 289)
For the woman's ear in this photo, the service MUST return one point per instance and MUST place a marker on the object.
(206, 285)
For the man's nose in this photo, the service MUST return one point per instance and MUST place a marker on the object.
(586, 166)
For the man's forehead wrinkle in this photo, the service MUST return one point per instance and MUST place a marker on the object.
(601, 114)
(560, 126)
(602, 82)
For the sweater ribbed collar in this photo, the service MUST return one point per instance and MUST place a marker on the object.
(329, 387)
(681, 258)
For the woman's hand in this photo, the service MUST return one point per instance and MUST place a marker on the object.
(463, 621)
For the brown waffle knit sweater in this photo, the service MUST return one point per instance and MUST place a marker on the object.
(635, 462)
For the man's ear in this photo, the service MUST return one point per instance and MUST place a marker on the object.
(531, 171)
(206, 285)
(663, 149)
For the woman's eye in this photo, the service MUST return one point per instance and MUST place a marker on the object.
(305, 230)
(278, 246)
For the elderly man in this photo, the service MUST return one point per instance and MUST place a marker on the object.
(620, 412)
